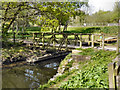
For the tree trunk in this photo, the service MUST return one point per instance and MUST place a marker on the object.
(65, 26)
(59, 28)
(52, 30)
(13, 29)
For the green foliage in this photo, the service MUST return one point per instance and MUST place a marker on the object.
(47, 15)
(110, 30)
(104, 17)
(93, 74)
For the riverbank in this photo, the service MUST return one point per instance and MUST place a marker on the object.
(22, 53)
(18, 55)
(91, 73)
(18, 73)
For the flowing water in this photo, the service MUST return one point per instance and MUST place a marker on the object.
(30, 76)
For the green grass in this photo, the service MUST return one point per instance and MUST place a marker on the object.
(111, 30)
(105, 29)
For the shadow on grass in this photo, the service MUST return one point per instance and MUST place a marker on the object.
(84, 30)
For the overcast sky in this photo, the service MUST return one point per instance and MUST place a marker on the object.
(106, 5)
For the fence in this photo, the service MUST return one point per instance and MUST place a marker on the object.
(114, 74)
(67, 39)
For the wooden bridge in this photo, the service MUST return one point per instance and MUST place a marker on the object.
(65, 40)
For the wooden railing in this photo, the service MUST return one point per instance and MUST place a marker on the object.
(114, 74)
(65, 39)
(77, 38)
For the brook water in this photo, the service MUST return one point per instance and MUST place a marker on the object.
(30, 76)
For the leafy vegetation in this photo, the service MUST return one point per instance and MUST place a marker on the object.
(47, 15)
(92, 73)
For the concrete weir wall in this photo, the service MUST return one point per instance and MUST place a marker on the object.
(34, 59)
(77, 57)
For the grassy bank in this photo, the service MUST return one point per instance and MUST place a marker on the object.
(91, 73)
(98, 29)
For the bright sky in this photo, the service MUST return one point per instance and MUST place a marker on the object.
(106, 5)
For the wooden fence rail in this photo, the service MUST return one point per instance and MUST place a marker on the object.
(114, 75)
(64, 40)
(78, 38)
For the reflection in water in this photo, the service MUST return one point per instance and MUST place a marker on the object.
(28, 76)
(51, 65)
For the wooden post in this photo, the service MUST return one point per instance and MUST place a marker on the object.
(118, 81)
(26, 37)
(92, 40)
(66, 43)
(53, 41)
(80, 41)
(100, 41)
(118, 42)
(43, 39)
(118, 75)
(76, 39)
(89, 39)
(111, 67)
(33, 36)
(103, 39)
(14, 37)
(118, 38)
(54, 44)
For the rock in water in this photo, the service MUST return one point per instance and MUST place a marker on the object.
(32, 59)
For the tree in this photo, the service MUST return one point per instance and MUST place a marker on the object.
(61, 11)
(116, 12)
(49, 15)
(10, 11)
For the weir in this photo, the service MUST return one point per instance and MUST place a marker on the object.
(35, 59)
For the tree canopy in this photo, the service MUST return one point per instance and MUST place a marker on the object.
(105, 16)
(48, 15)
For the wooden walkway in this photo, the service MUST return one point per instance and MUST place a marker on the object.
(111, 39)
(68, 40)
(65, 40)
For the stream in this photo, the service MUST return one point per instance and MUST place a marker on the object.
(30, 76)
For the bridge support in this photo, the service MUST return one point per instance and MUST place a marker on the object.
(43, 39)
(93, 40)
(103, 41)
(89, 39)
(118, 42)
